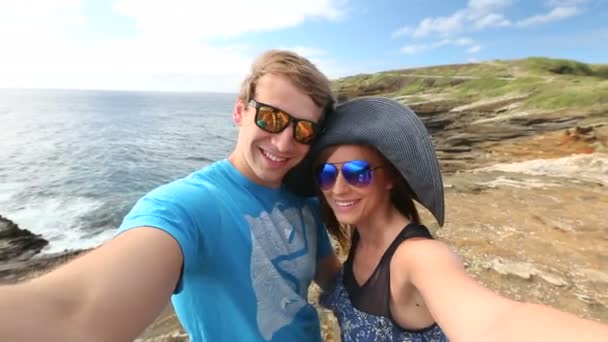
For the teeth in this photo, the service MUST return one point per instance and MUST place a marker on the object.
(345, 204)
(273, 157)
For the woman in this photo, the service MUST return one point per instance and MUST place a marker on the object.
(398, 284)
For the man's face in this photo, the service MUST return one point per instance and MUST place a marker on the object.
(265, 157)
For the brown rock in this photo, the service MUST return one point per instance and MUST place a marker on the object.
(17, 243)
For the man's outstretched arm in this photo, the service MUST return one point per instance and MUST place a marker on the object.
(109, 294)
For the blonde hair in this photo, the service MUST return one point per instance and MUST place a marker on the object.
(299, 70)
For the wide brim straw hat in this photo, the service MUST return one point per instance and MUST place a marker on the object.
(395, 131)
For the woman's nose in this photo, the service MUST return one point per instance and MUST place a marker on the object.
(341, 184)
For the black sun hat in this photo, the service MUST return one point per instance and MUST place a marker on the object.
(395, 131)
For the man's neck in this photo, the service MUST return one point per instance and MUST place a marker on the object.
(243, 167)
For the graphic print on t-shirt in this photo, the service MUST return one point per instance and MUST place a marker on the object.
(283, 259)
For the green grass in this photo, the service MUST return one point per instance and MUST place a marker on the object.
(415, 87)
(600, 70)
(491, 86)
(585, 94)
(498, 69)
(547, 83)
(543, 65)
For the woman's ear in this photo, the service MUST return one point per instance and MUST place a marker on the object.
(392, 178)
(238, 112)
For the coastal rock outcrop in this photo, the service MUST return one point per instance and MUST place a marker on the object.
(16, 243)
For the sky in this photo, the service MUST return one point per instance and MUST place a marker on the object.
(198, 45)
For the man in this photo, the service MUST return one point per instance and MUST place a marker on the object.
(233, 246)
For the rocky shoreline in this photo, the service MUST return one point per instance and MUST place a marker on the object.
(19, 253)
(527, 226)
(16, 243)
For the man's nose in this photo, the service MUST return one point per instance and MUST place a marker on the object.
(284, 141)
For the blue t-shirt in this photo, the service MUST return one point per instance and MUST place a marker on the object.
(249, 252)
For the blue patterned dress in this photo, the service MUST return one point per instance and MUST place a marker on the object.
(359, 326)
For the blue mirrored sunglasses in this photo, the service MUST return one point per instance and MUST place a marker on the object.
(356, 172)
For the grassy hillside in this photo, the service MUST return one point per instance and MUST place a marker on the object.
(544, 83)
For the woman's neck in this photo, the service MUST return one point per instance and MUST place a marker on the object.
(381, 230)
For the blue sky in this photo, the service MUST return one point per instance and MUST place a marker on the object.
(196, 45)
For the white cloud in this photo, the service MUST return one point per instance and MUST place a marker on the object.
(478, 14)
(488, 5)
(455, 42)
(474, 49)
(414, 49)
(483, 14)
(441, 25)
(566, 3)
(226, 18)
(50, 23)
(460, 42)
(555, 14)
(491, 20)
(174, 45)
(464, 42)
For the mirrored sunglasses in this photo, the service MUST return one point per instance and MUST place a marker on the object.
(356, 173)
(274, 120)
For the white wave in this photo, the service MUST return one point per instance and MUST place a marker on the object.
(57, 219)
(6, 192)
(589, 167)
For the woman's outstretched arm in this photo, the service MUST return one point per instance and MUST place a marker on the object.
(467, 311)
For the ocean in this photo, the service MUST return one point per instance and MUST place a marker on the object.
(73, 162)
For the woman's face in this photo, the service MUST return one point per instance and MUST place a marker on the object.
(360, 202)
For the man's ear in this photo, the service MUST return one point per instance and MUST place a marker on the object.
(238, 112)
